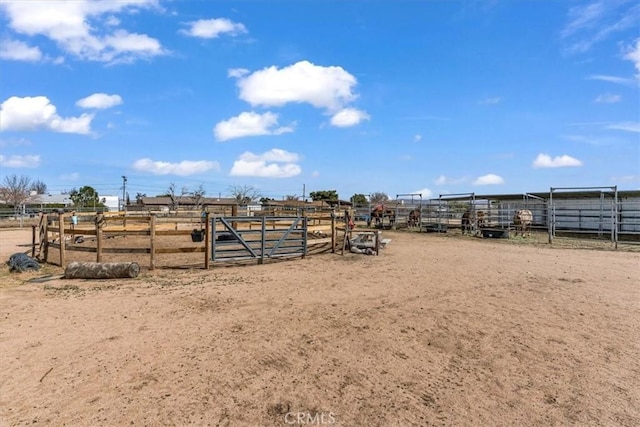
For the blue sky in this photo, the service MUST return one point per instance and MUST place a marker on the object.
(359, 96)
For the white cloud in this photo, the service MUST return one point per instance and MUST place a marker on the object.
(425, 192)
(491, 101)
(183, 168)
(237, 72)
(581, 17)
(14, 50)
(489, 179)
(315, 174)
(594, 22)
(633, 54)
(37, 113)
(212, 28)
(99, 101)
(626, 126)
(275, 163)
(348, 117)
(249, 124)
(417, 138)
(592, 140)
(273, 155)
(613, 79)
(19, 161)
(607, 98)
(330, 88)
(545, 161)
(123, 46)
(85, 29)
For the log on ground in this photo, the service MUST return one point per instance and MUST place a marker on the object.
(101, 270)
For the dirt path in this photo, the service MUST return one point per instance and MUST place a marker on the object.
(14, 240)
(434, 331)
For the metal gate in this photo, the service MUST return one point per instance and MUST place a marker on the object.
(587, 215)
(258, 238)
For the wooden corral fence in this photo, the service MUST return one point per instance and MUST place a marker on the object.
(65, 233)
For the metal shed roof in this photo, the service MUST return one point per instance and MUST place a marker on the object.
(560, 194)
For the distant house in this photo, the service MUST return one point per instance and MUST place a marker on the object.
(53, 201)
(50, 199)
(317, 204)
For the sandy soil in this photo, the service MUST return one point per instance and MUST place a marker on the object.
(434, 331)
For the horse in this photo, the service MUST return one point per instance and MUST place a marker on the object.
(379, 213)
(472, 220)
(480, 219)
(414, 218)
(465, 222)
(522, 221)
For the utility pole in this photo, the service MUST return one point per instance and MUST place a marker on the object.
(304, 193)
(124, 192)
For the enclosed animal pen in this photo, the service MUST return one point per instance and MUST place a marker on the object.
(596, 213)
(408, 210)
(180, 240)
(602, 213)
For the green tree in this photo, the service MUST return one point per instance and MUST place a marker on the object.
(266, 200)
(359, 199)
(324, 195)
(85, 197)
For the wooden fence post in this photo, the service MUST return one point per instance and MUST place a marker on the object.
(152, 243)
(333, 232)
(33, 241)
(99, 219)
(207, 240)
(234, 212)
(62, 240)
(45, 232)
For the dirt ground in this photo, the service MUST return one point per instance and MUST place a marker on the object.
(434, 331)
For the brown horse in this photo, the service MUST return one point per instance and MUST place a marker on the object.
(522, 221)
(379, 213)
(472, 220)
(414, 218)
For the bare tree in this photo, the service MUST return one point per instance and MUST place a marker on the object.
(244, 194)
(39, 187)
(175, 197)
(15, 190)
(198, 196)
(291, 198)
(379, 197)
